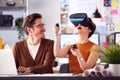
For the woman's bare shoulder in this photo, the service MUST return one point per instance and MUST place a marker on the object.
(95, 48)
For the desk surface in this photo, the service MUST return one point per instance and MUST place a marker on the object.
(58, 76)
(40, 75)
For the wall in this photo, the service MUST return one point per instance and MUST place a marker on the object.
(50, 10)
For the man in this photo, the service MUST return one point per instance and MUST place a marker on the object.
(35, 53)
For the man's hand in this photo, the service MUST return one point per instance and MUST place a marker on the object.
(25, 70)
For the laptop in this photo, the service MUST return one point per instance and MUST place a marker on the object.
(7, 62)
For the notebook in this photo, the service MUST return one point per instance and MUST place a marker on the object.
(7, 62)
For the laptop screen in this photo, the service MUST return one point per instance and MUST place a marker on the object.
(7, 62)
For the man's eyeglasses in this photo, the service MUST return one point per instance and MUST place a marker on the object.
(39, 25)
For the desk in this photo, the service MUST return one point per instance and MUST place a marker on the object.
(58, 76)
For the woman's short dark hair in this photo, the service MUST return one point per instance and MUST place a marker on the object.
(30, 20)
(92, 27)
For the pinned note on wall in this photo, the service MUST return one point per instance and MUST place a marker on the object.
(114, 4)
(114, 11)
(118, 25)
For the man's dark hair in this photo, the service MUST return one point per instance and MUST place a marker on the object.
(29, 21)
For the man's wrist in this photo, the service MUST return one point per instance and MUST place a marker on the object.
(31, 69)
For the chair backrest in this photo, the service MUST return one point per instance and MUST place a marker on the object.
(64, 68)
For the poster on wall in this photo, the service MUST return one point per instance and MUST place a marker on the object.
(64, 12)
(64, 18)
(64, 5)
(107, 3)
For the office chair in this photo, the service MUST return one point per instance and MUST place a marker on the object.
(64, 68)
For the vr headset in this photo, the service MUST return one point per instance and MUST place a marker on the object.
(81, 18)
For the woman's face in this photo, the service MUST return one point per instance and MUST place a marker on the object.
(82, 29)
(38, 29)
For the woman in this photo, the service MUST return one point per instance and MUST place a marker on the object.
(87, 53)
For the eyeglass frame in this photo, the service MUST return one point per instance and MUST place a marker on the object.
(39, 25)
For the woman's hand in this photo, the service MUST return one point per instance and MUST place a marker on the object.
(56, 30)
(76, 52)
